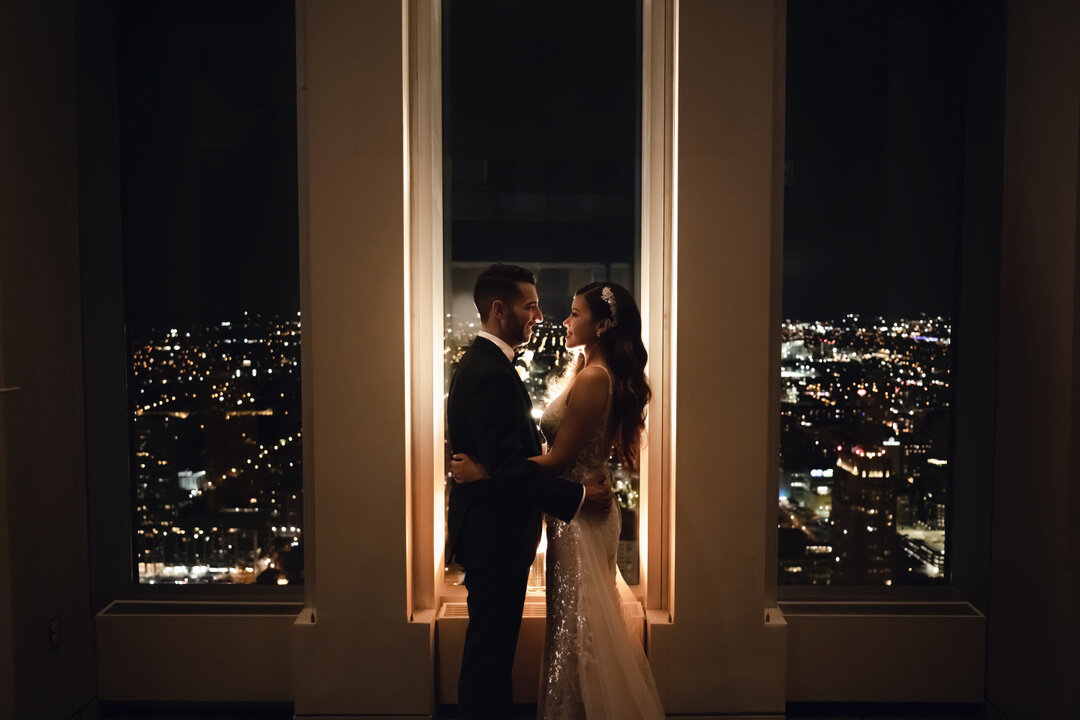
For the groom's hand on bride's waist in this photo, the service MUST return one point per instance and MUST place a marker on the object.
(597, 497)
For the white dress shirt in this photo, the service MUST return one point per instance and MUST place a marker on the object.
(499, 343)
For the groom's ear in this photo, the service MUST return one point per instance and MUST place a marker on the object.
(498, 308)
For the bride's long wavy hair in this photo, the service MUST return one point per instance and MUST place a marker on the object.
(625, 354)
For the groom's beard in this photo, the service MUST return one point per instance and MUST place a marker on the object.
(522, 331)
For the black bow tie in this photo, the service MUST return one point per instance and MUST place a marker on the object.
(518, 354)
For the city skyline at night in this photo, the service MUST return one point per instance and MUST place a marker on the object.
(865, 445)
(216, 453)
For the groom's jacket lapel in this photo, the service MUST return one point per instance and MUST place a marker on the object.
(500, 363)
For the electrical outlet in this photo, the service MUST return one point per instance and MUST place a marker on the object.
(54, 634)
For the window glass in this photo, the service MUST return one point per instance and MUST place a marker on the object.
(871, 226)
(211, 282)
(541, 140)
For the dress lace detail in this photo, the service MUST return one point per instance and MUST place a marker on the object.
(593, 667)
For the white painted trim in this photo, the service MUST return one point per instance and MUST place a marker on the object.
(307, 363)
(656, 291)
(424, 265)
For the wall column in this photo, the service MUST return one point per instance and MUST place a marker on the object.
(43, 554)
(362, 656)
(720, 655)
(1032, 640)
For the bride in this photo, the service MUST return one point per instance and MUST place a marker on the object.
(593, 668)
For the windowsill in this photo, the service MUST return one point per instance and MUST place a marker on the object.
(457, 593)
(201, 607)
(879, 609)
(854, 593)
(219, 593)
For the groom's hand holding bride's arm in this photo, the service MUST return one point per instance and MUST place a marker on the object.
(584, 412)
(466, 469)
(490, 422)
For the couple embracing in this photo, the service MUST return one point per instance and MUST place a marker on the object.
(503, 483)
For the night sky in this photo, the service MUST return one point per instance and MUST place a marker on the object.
(541, 131)
(541, 141)
(874, 135)
(208, 158)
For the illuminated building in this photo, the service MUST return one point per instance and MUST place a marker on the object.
(864, 505)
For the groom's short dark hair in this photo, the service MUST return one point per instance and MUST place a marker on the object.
(499, 282)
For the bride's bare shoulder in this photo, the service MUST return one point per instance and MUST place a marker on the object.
(592, 373)
(590, 385)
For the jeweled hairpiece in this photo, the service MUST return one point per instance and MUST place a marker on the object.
(609, 297)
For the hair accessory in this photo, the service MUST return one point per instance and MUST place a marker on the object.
(609, 297)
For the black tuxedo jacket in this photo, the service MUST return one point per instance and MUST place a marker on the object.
(497, 521)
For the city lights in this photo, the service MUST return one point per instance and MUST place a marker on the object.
(864, 428)
(253, 454)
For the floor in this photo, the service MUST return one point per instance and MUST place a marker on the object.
(528, 712)
(887, 711)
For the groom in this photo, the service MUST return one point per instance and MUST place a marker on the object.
(494, 524)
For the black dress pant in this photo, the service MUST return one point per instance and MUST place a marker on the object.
(496, 599)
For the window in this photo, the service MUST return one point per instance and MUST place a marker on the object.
(542, 158)
(207, 115)
(872, 223)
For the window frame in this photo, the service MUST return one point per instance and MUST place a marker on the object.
(425, 257)
(974, 334)
(105, 342)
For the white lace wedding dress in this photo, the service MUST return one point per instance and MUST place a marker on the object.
(593, 667)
